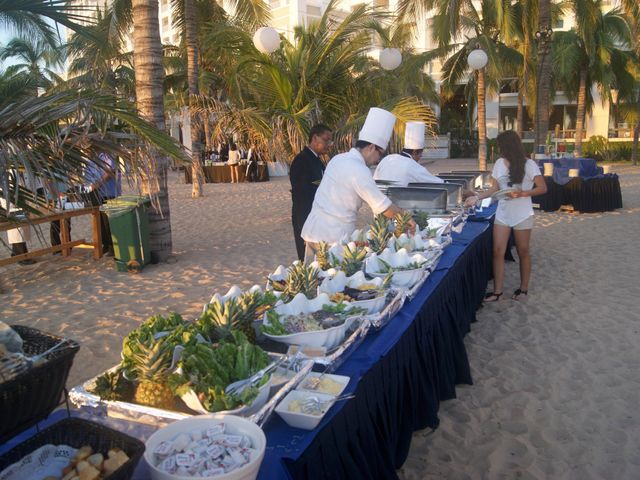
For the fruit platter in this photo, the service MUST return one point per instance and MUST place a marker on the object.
(172, 368)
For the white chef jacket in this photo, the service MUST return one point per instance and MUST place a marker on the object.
(512, 211)
(20, 234)
(346, 183)
(401, 168)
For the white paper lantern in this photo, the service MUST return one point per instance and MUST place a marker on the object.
(477, 59)
(266, 39)
(390, 58)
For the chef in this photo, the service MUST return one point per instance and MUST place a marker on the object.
(347, 182)
(404, 167)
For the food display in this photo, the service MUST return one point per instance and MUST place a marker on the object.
(204, 453)
(167, 359)
(325, 383)
(407, 269)
(300, 278)
(305, 410)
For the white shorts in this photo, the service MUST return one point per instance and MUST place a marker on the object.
(526, 224)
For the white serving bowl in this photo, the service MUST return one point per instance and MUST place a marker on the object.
(233, 425)
(193, 402)
(341, 379)
(328, 338)
(401, 258)
(302, 420)
(336, 281)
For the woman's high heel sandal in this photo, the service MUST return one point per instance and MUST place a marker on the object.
(492, 297)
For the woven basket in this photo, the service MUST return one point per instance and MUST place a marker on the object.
(77, 432)
(34, 394)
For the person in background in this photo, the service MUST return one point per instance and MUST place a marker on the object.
(305, 175)
(513, 170)
(347, 182)
(233, 162)
(17, 237)
(404, 167)
(103, 183)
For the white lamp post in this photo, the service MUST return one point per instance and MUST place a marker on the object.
(477, 60)
(390, 58)
(266, 39)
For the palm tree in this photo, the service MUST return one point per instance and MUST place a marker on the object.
(102, 62)
(29, 17)
(488, 28)
(272, 100)
(595, 52)
(544, 73)
(147, 58)
(35, 58)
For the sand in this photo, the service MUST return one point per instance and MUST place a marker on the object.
(557, 380)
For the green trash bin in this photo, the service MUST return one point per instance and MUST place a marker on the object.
(129, 224)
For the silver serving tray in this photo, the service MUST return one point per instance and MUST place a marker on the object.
(81, 397)
(454, 191)
(393, 306)
(432, 201)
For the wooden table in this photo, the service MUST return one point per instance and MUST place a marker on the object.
(65, 235)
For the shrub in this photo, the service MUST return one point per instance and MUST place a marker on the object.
(602, 150)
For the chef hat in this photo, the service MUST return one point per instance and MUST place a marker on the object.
(378, 127)
(414, 136)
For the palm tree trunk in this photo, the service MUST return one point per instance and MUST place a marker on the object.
(192, 75)
(582, 99)
(520, 113)
(636, 134)
(543, 81)
(147, 58)
(482, 122)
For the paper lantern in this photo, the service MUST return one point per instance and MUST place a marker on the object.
(390, 58)
(477, 59)
(266, 39)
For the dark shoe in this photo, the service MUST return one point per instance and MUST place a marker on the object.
(520, 295)
(28, 261)
(492, 297)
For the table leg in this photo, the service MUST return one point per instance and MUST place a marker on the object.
(65, 237)
(97, 235)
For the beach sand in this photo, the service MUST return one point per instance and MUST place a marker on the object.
(556, 381)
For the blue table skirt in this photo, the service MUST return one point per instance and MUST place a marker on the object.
(597, 194)
(399, 376)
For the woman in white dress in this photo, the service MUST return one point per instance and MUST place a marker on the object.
(513, 170)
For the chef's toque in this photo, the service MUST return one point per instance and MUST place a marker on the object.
(378, 127)
(414, 136)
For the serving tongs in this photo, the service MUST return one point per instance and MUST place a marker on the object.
(14, 364)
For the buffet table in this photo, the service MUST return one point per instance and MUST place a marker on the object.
(399, 375)
(586, 195)
(222, 173)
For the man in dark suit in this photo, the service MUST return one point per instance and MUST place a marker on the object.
(305, 175)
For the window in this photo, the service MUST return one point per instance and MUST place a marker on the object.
(558, 24)
(311, 10)
(165, 22)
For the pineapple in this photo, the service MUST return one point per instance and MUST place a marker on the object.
(220, 319)
(301, 279)
(352, 259)
(322, 256)
(151, 366)
(402, 223)
(379, 234)
(421, 218)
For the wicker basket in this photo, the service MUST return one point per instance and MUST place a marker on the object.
(77, 432)
(33, 395)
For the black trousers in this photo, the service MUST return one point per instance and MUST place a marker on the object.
(297, 230)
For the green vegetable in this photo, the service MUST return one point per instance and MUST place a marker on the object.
(209, 369)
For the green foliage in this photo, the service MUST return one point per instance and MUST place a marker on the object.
(209, 369)
(605, 151)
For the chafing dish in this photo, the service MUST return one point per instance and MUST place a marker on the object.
(454, 191)
(433, 201)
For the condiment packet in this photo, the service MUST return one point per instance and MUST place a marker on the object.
(212, 472)
(215, 451)
(232, 440)
(185, 459)
(215, 430)
(168, 465)
(163, 449)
